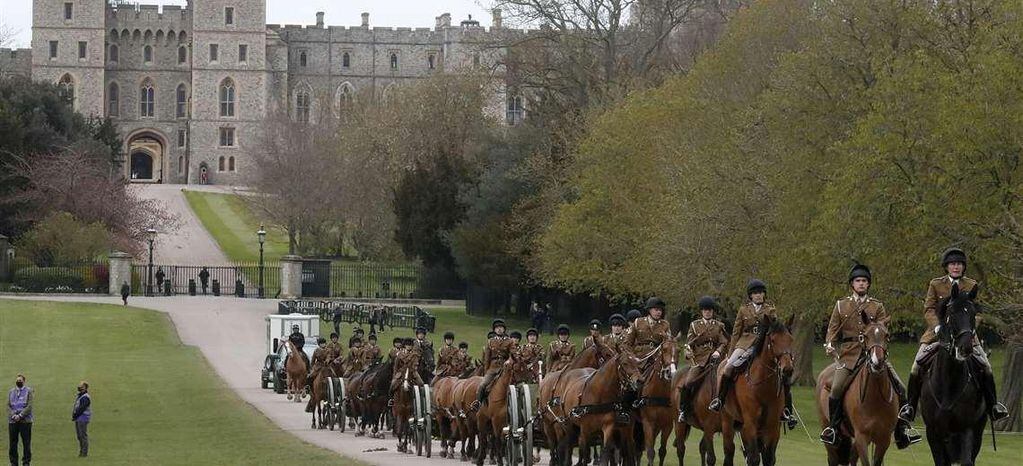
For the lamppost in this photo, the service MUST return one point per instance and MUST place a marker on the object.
(151, 236)
(261, 234)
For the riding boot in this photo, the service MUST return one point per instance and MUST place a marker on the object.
(908, 410)
(788, 415)
(998, 410)
(905, 434)
(835, 412)
(717, 403)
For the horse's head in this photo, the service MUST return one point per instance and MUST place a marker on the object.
(778, 344)
(957, 316)
(874, 340)
(669, 358)
(630, 371)
(519, 369)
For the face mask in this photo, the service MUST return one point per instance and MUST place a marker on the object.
(19, 384)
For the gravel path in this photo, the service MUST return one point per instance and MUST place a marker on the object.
(191, 244)
(231, 333)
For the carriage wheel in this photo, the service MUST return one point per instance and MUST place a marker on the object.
(416, 420)
(513, 425)
(427, 414)
(342, 418)
(331, 389)
(527, 429)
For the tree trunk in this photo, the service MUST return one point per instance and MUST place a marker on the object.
(1012, 388)
(803, 351)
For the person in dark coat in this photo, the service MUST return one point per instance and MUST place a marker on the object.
(298, 339)
(81, 414)
(125, 291)
(204, 279)
(159, 278)
(19, 420)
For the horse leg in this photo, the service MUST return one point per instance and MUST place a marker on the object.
(966, 448)
(681, 434)
(648, 440)
(937, 443)
(750, 441)
(663, 450)
(881, 445)
(607, 437)
(728, 440)
(707, 450)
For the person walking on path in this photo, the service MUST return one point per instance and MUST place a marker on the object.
(125, 291)
(81, 414)
(204, 279)
(19, 421)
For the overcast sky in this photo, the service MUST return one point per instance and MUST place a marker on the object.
(17, 14)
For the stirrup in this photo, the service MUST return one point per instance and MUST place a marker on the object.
(829, 435)
(907, 437)
(715, 405)
(999, 411)
(682, 416)
(907, 413)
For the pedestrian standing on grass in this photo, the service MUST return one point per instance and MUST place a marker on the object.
(125, 291)
(19, 421)
(81, 414)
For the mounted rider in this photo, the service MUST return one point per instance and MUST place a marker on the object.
(334, 346)
(616, 338)
(594, 329)
(371, 352)
(561, 351)
(406, 363)
(425, 349)
(445, 360)
(953, 260)
(844, 343)
(751, 319)
(353, 363)
(648, 332)
(396, 346)
(298, 339)
(497, 351)
(531, 353)
(706, 341)
(321, 357)
(357, 333)
(461, 361)
(631, 317)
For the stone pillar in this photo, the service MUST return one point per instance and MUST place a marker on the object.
(319, 19)
(291, 277)
(496, 13)
(365, 20)
(120, 271)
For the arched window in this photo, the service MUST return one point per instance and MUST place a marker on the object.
(147, 54)
(66, 89)
(227, 98)
(114, 53)
(182, 55)
(181, 101)
(147, 99)
(394, 61)
(220, 164)
(230, 163)
(514, 113)
(345, 95)
(346, 60)
(302, 106)
(113, 100)
(302, 59)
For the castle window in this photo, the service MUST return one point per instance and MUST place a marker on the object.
(226, 140)
(431, 61)
(181, 164)
(182, 55)
(243, 53)
(181, 99)
(302, 59)
(475, 59)
(53, 49)
(147, 54)
(182, 138)
(69, 11)
(227, 98)
(83, 47)
(220, 161)
(514, 113)
(230, 163)
(147, 99)
(302, 106)
(346, 60)
(229, 15)
(66, 89)
(113, 100)
(394, 61)
(214, 51)
(345, 96)
(114, 53)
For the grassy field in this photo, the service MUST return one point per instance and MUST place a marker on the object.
(796, 448)
(155, 400)
(233, 225)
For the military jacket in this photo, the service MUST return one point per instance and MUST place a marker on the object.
(588, 341)
(370, 355)
(704, 338)
(846, 326)
(426, 354)
(497, 351)
(747, 322)
(353, 363)
(615, 342)
(531, 352)
(560, 354)
(646, 334)
(335, 350)
(444, 360)
(457, 364)
(937, 290)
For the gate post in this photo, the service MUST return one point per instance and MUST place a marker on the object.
(291, 277)
(120, 271)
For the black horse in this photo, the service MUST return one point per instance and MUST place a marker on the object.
(952, 400)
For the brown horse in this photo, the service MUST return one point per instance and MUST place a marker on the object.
(492, 415)
(870, 403)
(699, 416)
(654, 401)
(445, 412)
(464, 405)
(594, 400)
(318, 396)
(402, 411)
(297, 372)
(758, 397)
(368, 391)
(553, 417)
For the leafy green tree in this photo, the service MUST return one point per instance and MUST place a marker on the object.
(60, 239)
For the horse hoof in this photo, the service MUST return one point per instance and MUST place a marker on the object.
(289, 397)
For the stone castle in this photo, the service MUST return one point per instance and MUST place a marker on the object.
(189, 88)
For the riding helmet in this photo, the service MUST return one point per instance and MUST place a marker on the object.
(449, 335)
(515, 334)
(858, 271)
(755, 285)
(953, 255)
(532, 331)
(408, 341)
(321, 340)
(398, 341)
(420, 330)
(707, 302)
(616, 319)
(497, 323)
(359, 331)
(333, 335)
(491, 334)
(594, 324)
(356, 340)
(463, 345)
(563, 330)
(372, 337)
(653, 302)
(633, 315)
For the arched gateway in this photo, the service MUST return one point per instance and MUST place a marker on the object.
(145, 150)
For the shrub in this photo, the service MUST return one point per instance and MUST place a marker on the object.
(60, 239)
(50, 279)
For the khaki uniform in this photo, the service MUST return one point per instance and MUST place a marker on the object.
(370, 355)
(847, 325)
(588, 341)
(560, 354)
(938, 289)
(647, 334)
(320, 360)
(426, 358)
(353, 363)
(615, 342)
(531, 353)
(744, 334)
(445, 361)
(497, 351)
(705, 337)
(391, 355)
(458, 364)
(406, 359)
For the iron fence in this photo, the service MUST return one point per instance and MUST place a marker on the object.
(362, 314)
(364, 280)
(240, 280)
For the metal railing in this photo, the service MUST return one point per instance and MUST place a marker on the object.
(362, 314)
(236, 280)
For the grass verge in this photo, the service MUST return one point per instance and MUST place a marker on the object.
(233, 225)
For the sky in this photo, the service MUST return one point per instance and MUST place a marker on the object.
(16, 15)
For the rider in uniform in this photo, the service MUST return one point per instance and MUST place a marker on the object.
(705, 343)
(648, 332)
(843, 343)
(445, 360)
(749, 320)
(616, 338)
(532, 352)
(561, 351)
(298, 339)
(462, 359)
(353, 363)
(334, 347)
(357, 333)
(953, 260)
(497, 351)
(631, 317)
(425, 348)
(396, 346)
(407, 360)
(594, 334)
(371, 352)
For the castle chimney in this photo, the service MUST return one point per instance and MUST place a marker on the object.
(365, 20)
(445, 20)
(496, 12)
(319, 19)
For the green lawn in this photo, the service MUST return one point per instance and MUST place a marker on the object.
(155, 400)
(233, 225)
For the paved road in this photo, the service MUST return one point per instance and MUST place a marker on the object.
(191, 244)
(231, 333)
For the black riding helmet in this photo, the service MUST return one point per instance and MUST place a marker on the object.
(563, 330)
(532, 331)
(754, 286)
(333, 335)
(497, 323)
(356, 340)
(860, 271)
(372, 337)
(408, 341)
(358, 330)
(515, 334)
(616, 319)
(420, 331)
(449, 335)
(463, 345)
(491, 334)
(633, 315)
(321, 341)
(653, 302)
(398, 341)
(594, 324)
(707, 302)
(953, 255)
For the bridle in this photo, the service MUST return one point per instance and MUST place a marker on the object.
(869, 350)
(955, 332)
(774, 369)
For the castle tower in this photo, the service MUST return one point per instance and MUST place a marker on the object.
(68, 49)
(229, 79)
